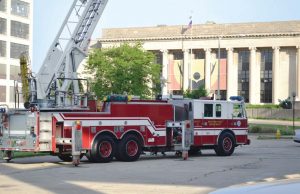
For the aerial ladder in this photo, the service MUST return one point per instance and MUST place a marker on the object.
(57, 77)
(54, 89)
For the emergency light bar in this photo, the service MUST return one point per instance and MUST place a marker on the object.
(236, 98)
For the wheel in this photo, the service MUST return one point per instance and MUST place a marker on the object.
(103, 149)
(7, 155)
(88, 155)
(67, 157)
(194, 151)
(129, 149)
(117, 153)
(226, 144)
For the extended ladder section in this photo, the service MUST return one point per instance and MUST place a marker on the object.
(57, 75)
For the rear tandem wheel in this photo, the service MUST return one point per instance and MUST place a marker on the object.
(103, 149)
(129, 148)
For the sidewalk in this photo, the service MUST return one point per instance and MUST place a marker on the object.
(274, 122)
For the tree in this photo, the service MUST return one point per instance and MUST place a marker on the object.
(196, 94)
(24, 77)
(125, 69)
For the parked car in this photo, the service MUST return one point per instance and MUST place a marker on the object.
(288, 186)
(297, 136)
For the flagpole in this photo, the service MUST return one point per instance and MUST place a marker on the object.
(219, 64)
(190, 65)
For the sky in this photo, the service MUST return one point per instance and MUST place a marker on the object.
(49, 14)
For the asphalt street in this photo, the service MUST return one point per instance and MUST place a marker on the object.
(263, 160)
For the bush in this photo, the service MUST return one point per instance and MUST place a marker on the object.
(196, 94)
(286, 104)
(270, 106)
(254, 129)
(288, 131)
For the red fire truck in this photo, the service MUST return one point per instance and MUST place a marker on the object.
(124, 129)
(60, 119)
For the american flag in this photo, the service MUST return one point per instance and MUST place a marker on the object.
(189, 26)
(190, 23)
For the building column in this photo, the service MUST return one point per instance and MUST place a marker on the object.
(186, 61)
(298, 74)
(275, 77)
(207, 69)
(164, 77)
(232, 73)
(254, 78)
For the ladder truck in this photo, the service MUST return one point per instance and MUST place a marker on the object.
(61, 120)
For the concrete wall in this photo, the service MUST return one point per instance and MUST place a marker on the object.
(272, 113)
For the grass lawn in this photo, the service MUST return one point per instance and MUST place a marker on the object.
(28, 154)
(261, 128)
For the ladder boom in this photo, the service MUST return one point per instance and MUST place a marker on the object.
(69, 47)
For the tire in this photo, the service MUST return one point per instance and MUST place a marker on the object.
(103, 149)
(117, 153)
(226, 144)
(129, 148)
(67, 157)
(89, 156)
(194, 151)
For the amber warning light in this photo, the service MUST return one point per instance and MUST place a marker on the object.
(78, 125)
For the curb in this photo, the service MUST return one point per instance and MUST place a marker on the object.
(273, 137)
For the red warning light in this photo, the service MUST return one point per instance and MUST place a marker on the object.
(78, 125)
(188, 125)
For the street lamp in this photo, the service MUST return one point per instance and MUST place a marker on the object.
(294, 95)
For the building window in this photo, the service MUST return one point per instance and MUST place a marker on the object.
(12, 92)
(223, 94)
(15, 94)
(243, 74)
(178, 55)
(2, 48)
(3, 5)
(199, 54)
(17, 49)
(208, 110)
(19, 29)
(3, 26)
(2, 93)
(223, 53)
(14, 72)
(158, 57)
(266, 76)
(20, 8)
(2, 71)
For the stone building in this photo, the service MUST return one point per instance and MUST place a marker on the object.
(15, 39)
(259, 61)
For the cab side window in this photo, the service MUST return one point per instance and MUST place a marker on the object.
(237, 111)
(208, 110)
(218, 110)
